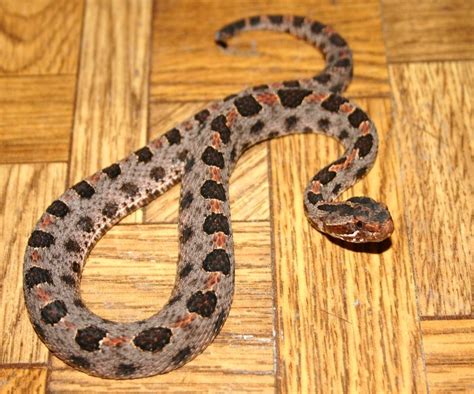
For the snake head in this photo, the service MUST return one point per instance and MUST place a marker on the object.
(359, 219)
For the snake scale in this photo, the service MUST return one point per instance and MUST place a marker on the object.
(201, 152)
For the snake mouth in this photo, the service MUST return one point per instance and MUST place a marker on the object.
(360, 231)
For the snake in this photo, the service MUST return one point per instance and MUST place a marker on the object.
(201, 152)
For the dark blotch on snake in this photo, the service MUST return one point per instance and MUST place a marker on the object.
(173, 136)
(292, 98)
(186, 200)
(260, 87)
(201, 303)
(333, 102)
(89, 338)
(112, 171)
(84, 189)
(130, 189)
(157, 173)
(256, 128)
(276, 19)
(181, 356)
(364, 144)
(76, 267)
(202, 116)
(154, 339)
(110, 209)
(336, 88)
(144, 155)
(219, 124)
(37, 275)
(40, 239)
(254, 20)
(69, 280)
(72, 246)
(126, 369)
(78, 302)
(343, 134)
(343, 63)
(290, 122)
(189, 164)
(247, 105)
(186, 234)
(215, 223)
(314, 198)
(337, 40)
(323, 78)
(53, 312)
(185, 271)
(298, 21)
(58, 209)
(325, 176)
(213, 157)
(183, 155)
(85, 224)
(212, 189)
(317, 27)
(80, 361)
(361, 172)
(357, 117)
(217, 260)
(336, 188)
(324, 124)
(291, 84)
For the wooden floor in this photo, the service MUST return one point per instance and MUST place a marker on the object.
(83, 83)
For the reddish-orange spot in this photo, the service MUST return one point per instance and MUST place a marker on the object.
(346, 164)
(69, 325)
(117, 341)
(156, 144)
(46, 221)
(316, 97)
(364, 127)
(346, 107)
(214, 106)
(184, 321)
(316, 187)
(216, 206)
(214, 279)
(219, 239)
(267, 98)
(216, 140)
(187, 125)
(231, 116)
(35, 256)
(215, 174)
(42, 294)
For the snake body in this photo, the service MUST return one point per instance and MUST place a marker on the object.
(201, 152)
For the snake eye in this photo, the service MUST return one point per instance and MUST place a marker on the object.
(359, 224)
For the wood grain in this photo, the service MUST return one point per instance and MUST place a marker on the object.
(112, 95)
(40, 37)
(428, 30)
(187, 65)
(21, 380)
(130, 275)
(26, 191)
(346, 319)
(434, 126)
(449, 354)
(248, 195)
(35, 118)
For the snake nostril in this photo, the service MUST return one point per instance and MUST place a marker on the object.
(359, 224)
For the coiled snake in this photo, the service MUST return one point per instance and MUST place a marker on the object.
(201, 152)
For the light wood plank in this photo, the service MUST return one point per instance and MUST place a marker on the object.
(130, 274)
(112, 95)
(449, 353)
(35, 118)
(26, 192)
(428, 30)
(23, 380)
(248, 194)
(346, 319)
(434, 127)
(187, 65)
(40, 37)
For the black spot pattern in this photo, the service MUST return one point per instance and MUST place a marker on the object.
(343, 134)
(186, 200)
(343, 63)
(154, 339)
(37, 275)
(217, 260)
(254, 20)
(157, 173)
(247, 105)
(185, 271)
(130, 189)
(317, 27)
(189, 164)
(84, 189)
(324, 124)
(276, 19)
(298, 21)
(290, 122)
(216, 222)
(364, 144)
(69, 280)
(144, 154)
(260, 87)
(336, 188)
(112, 171)
(337, 40)
(79, 361)
(40, 239)
(126, 369)
(173, 136)
(53, 312)
(78, 302)
(357, 117)
(323, 78)
(85, 224)
(257, 127)
(361, 172)
(76, 267)
(341, 209)
(201, 303)
(181, 356)
(58, 208)
(213, 157)
(314, 198)
(219, 124)
(212, 189)
(186, 234)
(89, 338)
(333, 102)
(202, 116)
(292, 98)
(72, 246)
(336, 88)
(291, 84)
(110, 209)
(183, 155)
(325, 176)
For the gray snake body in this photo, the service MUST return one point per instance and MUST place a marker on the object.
(201, 152)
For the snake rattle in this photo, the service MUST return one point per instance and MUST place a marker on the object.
(201, 152)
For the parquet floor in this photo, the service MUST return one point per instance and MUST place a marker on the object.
(83, 83)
